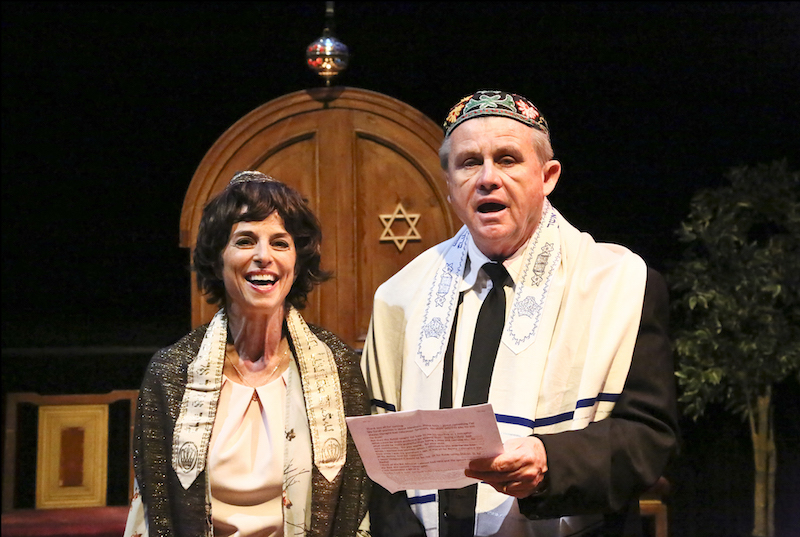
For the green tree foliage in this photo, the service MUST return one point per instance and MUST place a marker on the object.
(736, 304)
(736, 292)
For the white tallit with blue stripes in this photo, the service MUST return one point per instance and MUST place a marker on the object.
(563, 359)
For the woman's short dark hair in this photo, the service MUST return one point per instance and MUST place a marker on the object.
(254, 201)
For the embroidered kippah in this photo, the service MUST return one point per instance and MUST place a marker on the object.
(251, 177)
(495, 103)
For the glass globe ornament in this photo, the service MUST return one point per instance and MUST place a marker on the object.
(327, 56)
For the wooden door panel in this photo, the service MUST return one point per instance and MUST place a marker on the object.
(392, 193)
(335, 209)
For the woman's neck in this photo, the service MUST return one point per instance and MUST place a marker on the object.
(257, 336)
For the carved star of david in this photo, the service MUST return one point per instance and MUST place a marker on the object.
(399, 240)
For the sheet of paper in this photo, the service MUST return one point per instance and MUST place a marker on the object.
(425, 449)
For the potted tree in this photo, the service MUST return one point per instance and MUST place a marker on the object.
(736, 307)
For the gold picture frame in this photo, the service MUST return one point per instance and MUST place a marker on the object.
(72, 456)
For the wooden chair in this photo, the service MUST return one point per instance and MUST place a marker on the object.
(82, 443)
(651, 504)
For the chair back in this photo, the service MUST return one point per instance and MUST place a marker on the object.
(80, 442)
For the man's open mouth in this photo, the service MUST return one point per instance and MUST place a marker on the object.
(490, 207)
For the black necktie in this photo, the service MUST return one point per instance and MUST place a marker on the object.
(486, 341)
(457, 506)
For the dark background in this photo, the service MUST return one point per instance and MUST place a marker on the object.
(108, 108)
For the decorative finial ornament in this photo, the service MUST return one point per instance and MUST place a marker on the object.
(251, 176)
(495, 103)
(327, 56)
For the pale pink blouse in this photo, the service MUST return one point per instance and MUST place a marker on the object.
(245, 462)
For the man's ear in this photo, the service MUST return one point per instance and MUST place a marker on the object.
(447, 185)
(551, 171)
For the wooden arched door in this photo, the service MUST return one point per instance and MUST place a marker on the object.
(369, 167)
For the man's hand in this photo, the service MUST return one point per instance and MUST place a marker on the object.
(516, 472)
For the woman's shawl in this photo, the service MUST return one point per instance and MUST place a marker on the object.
(170, 502)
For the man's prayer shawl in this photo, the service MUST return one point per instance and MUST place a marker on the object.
(564, 357)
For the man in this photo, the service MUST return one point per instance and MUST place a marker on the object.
(577, 363)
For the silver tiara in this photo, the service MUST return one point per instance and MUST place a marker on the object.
(251, 177)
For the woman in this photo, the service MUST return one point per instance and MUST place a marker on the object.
(240, 428)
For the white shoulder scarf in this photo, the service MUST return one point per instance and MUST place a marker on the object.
(565, 352)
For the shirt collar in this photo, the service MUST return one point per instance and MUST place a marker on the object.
(476, 259)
